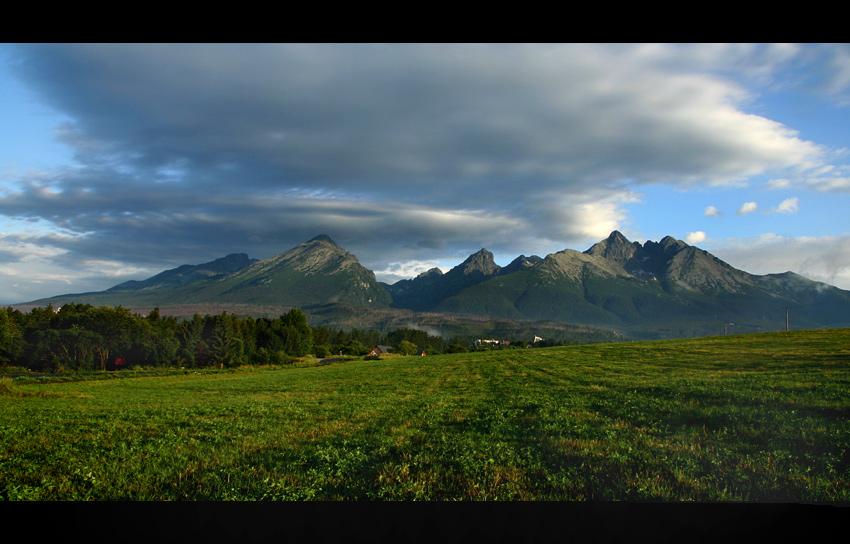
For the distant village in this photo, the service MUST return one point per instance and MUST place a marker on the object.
(485, 343)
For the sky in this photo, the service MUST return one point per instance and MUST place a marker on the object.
(119, 161)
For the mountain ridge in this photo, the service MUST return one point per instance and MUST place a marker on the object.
(666, 288)
(188, 273)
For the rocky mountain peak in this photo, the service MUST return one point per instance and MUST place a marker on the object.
(481, 262)
(434, 272)
(318, 255)
(671, 244)
(617, 237)
(322, 238)
(520, 263)
(616, 248)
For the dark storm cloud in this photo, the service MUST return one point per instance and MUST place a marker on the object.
(187, 152)
(392, 117)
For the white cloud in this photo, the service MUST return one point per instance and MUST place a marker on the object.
(825, 258)
(838, 81)
(788, 206)
(404, 270)
(747, 207)
(578, 219)
(839, 184)
(695, 237)
(781, 183)
(711, 211)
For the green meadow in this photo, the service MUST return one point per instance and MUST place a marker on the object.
(760, 417)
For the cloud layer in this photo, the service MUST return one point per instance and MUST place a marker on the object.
(825, 258)
(401, 153)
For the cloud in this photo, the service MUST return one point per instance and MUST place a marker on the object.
(183, 153)
(711, 211)
(695, 237)
(824, 258)
(782, 183)
(401, 270)
(837, 80)
(427, 113)
(33, 266)
(747, 207)
(788, 206)
(832, 184)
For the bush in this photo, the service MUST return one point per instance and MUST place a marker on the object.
(280, 357)
(14, 370)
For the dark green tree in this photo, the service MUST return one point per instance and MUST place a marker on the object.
(405, 348)
(456, 348)
(73, 348)
(11, 337)
(296, 334)
(226, 347)
(192, 347)
(112, 330)
(354, 347)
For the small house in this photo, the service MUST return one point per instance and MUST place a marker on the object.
(380, 350)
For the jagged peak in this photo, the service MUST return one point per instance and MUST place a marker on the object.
(616, 248)
(618, 236)
(521, 263)
(669, 241)
(481, 261)
(314, 254)
(322, 238)
(529, 259)
(482, 255)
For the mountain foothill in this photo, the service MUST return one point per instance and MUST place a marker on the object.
(664, 289)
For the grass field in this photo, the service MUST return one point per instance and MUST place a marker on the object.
(759, 417)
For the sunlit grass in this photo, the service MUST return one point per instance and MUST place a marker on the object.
(747, 418)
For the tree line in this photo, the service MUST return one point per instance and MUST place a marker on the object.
(85, 337)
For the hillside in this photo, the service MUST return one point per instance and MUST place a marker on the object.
(186, 274)
(315, 272)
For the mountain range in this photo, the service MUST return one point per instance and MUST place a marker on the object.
(653, 290)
